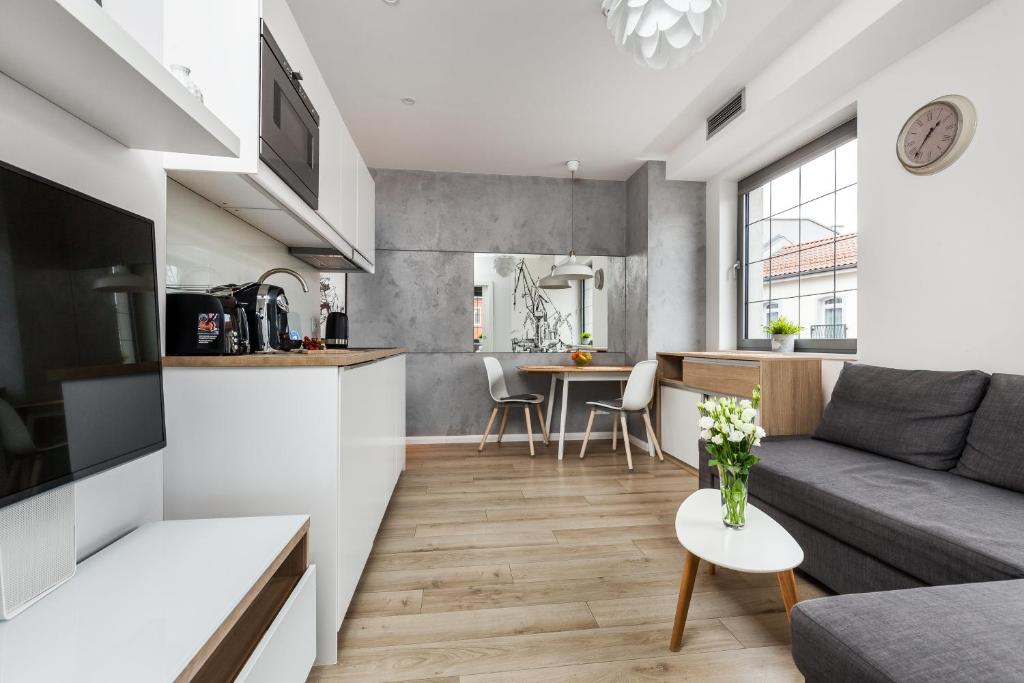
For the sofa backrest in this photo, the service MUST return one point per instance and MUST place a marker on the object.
(918, 416)
(994, 452)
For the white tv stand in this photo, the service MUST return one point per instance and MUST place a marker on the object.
(190, 600)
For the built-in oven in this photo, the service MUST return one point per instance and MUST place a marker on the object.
(289, 124)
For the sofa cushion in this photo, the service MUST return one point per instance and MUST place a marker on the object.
(955, 634)
(917, 416)
(934, 526)
(995, 444)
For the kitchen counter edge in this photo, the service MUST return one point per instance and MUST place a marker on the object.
(283, 360)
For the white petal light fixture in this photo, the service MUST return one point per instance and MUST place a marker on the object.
(573, 269)
(663, 33)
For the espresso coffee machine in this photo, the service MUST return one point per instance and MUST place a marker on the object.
(206, 324)
(267, 310)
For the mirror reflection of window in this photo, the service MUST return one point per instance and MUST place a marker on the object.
(512, 313)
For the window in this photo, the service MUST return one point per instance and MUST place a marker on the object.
(478, 313)
(798, 245)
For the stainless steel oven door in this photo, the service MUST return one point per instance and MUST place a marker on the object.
(289, 125)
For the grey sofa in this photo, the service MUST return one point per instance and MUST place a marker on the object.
(909, 499)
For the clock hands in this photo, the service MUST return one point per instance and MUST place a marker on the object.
(927, 135)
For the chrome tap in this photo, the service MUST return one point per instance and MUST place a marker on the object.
(289, 271)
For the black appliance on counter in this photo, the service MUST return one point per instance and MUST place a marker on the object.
(203, 324)
(289, 123)
(336, 330)
(267, 308)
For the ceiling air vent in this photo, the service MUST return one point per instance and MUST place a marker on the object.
(726, 113)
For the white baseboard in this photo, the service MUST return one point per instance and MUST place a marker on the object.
(475, 438)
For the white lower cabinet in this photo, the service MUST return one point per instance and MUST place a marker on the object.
(324, 441)
(679, 429)
(287, 650)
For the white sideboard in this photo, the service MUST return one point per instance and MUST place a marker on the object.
(196, 600)
(267, 440)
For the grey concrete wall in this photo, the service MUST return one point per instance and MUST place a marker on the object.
(636, 266)
(676, 265)
(428, 227)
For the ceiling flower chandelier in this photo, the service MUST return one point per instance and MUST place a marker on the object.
(663, 33)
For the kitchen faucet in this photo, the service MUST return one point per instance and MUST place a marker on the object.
(289, 271)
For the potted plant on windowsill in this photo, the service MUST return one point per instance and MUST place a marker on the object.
(783, 333)
(587, 339)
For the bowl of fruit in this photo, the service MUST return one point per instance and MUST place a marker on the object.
(581, 358)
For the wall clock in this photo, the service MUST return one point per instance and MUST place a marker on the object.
(936, 135)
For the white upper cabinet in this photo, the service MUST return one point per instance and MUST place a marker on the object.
(366, 212)
(220, 43)
(102, 65)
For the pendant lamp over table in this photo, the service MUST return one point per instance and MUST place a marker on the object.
(572, 269)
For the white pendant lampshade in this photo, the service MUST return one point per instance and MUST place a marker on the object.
(663, 33)
(572, 269)
(552, 281)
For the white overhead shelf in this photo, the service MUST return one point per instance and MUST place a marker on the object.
(77, 56)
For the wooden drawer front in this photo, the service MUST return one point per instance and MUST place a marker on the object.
(286, 652)
(737, 378)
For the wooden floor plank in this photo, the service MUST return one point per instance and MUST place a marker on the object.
(385, 603)
(451, 626)
(472, 556)
(447, 577)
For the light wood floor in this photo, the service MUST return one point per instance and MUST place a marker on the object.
(496, 567)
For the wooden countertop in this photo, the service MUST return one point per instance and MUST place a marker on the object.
(758, 355)
(292, 359)
(574, 368)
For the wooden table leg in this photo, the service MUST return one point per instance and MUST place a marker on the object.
(787, 584)
(711, 569)
(683, 605)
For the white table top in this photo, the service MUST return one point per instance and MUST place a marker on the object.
(140, 609)
(761, 547)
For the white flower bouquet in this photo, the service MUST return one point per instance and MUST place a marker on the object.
(729, 430)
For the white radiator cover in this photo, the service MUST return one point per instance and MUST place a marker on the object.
(37, 548)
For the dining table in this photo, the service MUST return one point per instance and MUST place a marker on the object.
(567, 374)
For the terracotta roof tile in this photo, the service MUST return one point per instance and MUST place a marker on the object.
(814, 256)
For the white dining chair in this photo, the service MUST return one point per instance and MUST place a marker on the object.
(502, 399)
(635, 398)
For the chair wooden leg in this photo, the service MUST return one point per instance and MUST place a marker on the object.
(625, 441)
(650, 435)
(615, 433)
(490, 423)
(543, 425)
(504, 423)
(529, 429)
(683, 604)
(586, 437)
(787, 584)
(711, 569)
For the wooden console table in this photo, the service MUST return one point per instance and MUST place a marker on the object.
(791, 392)
(206, 600)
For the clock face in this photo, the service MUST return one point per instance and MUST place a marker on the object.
(931, 134)
(936, 135)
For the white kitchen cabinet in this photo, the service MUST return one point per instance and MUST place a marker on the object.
(98, 64)
(324, 441)
(220, 43)
(366, 241)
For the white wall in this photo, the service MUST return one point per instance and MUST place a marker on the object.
(932, 249)
(946, 248)
(41, 138)
(207, 246)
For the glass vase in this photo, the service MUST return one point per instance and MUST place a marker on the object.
(733, 488)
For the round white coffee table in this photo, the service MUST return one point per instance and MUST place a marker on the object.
(761, 547)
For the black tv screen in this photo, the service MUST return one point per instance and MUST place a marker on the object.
(80, 381)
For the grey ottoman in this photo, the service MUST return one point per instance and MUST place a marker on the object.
(970, 633)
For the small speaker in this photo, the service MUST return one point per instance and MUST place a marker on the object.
(37, 548)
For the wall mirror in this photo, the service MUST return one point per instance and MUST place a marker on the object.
(512, 313)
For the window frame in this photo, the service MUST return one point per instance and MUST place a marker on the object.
(833, 139)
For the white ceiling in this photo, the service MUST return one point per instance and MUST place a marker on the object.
(520, 86)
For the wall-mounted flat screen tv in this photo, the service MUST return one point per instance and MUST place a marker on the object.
(80, 382)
